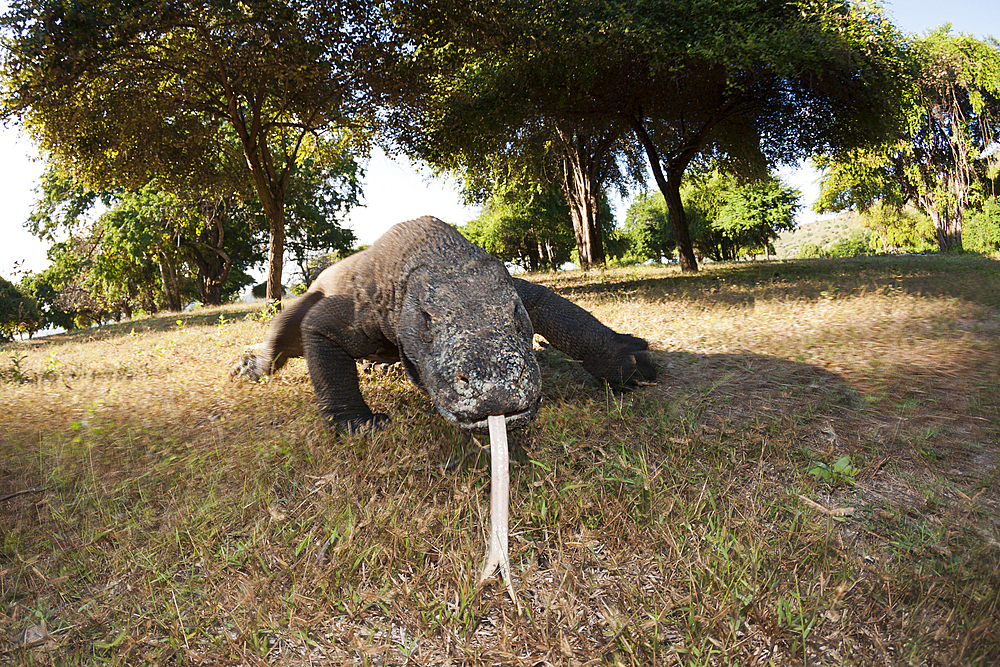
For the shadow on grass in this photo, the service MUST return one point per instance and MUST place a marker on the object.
(929, 426)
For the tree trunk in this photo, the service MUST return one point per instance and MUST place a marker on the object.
(213, 270)
(271, 184)
(171, 287)
(947, 222)
(211, 294)
(583, 209)
(550, 255)
(275, 257)
(581, 156)
(531, 246)
(948, 228)
(272, 199)
(271, 192)
(671, 190)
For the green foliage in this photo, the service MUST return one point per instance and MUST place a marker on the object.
(601, 87)
(937, 155)
(647, 234)
(811, 251)
(752, 215)
(895, 229)
(728, 219)
(201, 97)
(855, 245)
(881, 229)
(19, 312)
(528, 226)
(154, 247)
(45, 287)
(319, 196)
(982, 229)
(840, 471)
(64, 202)
(74, 284)
(139, 239)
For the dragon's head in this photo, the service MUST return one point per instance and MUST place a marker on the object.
(465, 338)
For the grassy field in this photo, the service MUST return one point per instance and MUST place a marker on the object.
(812, 481)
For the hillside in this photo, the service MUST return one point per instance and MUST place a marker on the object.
(824, 233)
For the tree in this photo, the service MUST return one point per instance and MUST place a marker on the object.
(140, 248)
(939, 163)
(19, 313)
(57, 289)
(527, 226)
(896, 228)
(754, 82)
(132, 92)
(44, 289)
(579, 160)
(189, 242)
(729, 218)
(145, 227)
(587, 161)
(470, 98)
(982, 233)
(754, 214)
(647, 229)
(221, 246)
(733, 218)
(97, 280)
(319, 196)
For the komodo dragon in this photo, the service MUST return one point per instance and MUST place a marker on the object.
(461, 325)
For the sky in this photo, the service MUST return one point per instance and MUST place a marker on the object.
(395, 190)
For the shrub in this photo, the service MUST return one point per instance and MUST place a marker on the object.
(982, 229)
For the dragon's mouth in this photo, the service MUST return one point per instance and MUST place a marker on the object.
(514, 420)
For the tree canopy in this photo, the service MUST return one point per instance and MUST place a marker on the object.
(320, 195)
(148, 247)
(647, 232)
(19, 312)
(753, 83)
(526, 226)
(195, 94)
(939, 156)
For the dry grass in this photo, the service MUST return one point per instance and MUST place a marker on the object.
(175, 517)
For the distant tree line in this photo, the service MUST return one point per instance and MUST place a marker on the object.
(150, 249)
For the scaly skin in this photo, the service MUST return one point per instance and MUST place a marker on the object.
(459, 323)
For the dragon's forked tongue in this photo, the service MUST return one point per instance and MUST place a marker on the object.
(499, 502)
